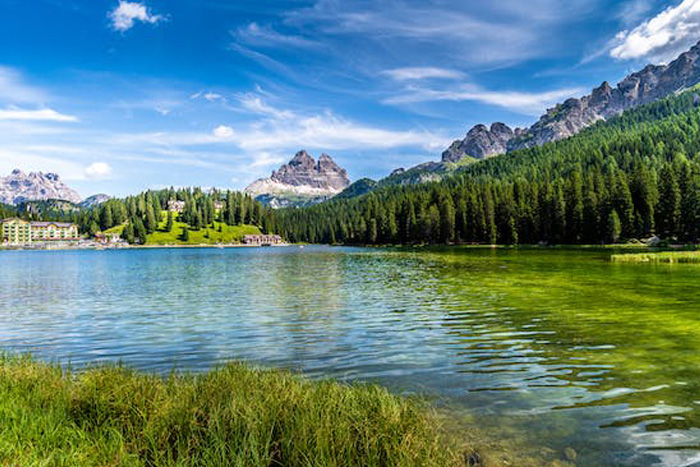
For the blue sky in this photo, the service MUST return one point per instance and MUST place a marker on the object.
(119, 96)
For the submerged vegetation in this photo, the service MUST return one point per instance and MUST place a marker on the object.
(660, 257)
(233, 415)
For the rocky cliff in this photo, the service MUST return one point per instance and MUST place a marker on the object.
(95, 200)
(301, 181)
(19, 187)
(568, 118)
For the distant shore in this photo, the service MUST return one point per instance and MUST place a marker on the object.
(131, 247)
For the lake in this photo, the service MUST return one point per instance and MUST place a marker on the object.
(552, 349)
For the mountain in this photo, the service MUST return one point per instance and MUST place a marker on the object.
(570, 117)
(19, 187)
(301, 182)
(628, 178)
(95, 200)
(48, 207)
(358, 188)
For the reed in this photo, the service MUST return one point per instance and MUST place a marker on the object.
(231, 416)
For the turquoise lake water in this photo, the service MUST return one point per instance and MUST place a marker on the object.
(552, 349)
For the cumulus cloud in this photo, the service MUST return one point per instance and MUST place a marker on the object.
(47, 115)
(125, 15)
(417, 73)
(98, 170)
(662, 37)
(223, 131)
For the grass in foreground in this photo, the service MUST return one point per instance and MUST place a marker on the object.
(660, 257)
(231, 416)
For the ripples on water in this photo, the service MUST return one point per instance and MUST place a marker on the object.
(555, 348)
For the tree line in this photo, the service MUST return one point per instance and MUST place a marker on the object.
(632, 177)
(143, 214)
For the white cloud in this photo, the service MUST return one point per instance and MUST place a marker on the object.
(279, 130)
(223, 131)
(208, 96)
(126, 13)
(265, 159)
(523, 102)
(28, 161)
(662, 37)
(418, 73)
(255, 34)
(481, 33)
(13, 88)
(633, 11)
(98, 170)
(47, 115)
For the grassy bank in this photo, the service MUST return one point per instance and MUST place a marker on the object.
(219, 233)
(660, 257)
(234, 415)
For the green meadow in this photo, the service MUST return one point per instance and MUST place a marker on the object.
(216, 233)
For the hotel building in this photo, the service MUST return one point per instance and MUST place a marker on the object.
(16, 231)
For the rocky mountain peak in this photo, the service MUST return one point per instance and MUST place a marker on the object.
(480, 142)
(303, 170)
(19, 187)
(573, 115)
(302, 177)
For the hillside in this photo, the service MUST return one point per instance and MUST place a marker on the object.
(633, 176)
(218, 233)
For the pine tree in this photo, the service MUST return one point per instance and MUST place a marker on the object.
(669, 208)
(614, 227)
(169, 223)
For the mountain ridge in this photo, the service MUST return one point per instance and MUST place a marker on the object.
(19, 187)
(575, 114)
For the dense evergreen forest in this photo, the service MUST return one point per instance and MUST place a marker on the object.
(632, 177)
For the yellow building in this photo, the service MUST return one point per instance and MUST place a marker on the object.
(16, 231)
(54, 232)
(19, 232)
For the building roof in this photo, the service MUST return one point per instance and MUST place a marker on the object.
(57, 224)
(38, 224)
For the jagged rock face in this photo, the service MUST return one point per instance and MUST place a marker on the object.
(303, 170)
(95, 200)
(570, 117)
(35, 186)
(300, 182)
(480, 142)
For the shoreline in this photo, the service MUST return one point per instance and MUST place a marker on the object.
(136, 247)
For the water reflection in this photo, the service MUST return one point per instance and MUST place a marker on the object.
(556, 348)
